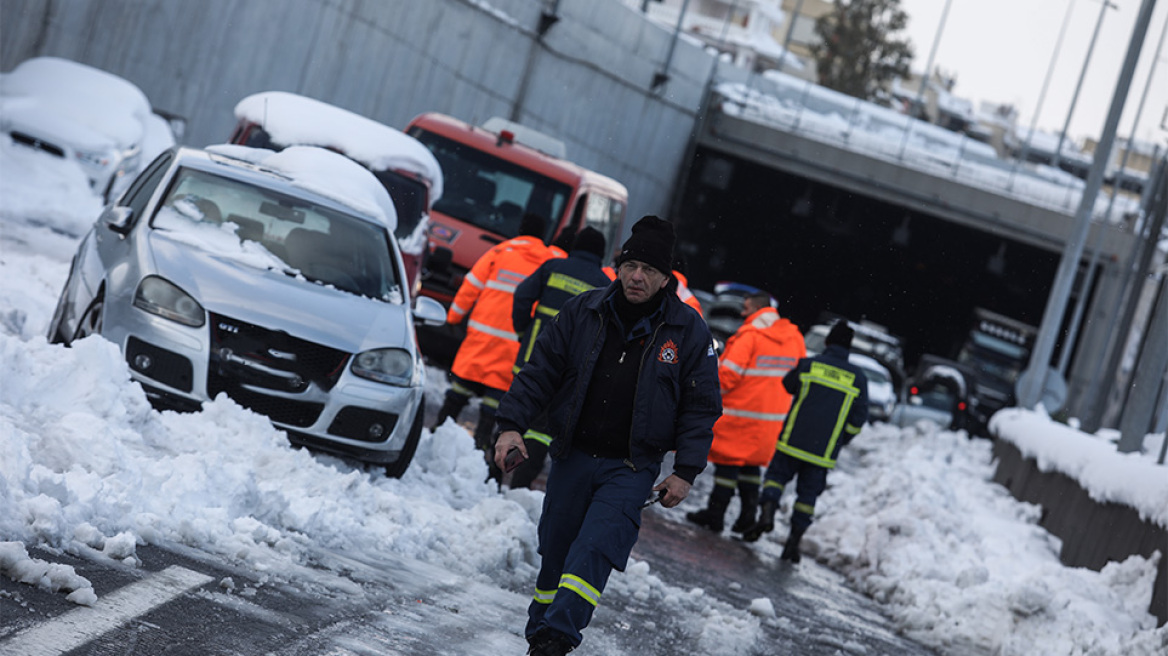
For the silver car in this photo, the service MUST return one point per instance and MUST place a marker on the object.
(273, 278)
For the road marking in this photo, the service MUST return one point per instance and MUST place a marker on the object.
(81, 625)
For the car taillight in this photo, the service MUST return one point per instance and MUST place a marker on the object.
(961, 405)
(914, 390)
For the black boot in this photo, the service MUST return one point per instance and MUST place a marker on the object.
(452, 405)
(547, 642)
(713, 516)
(747, 517)
(765, 523)
(791, 549)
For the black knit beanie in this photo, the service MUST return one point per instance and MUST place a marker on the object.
(841, 335)
(651, 243)
(533, 225)
(590, 240)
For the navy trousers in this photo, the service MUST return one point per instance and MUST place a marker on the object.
(812, 482)
(591, 518)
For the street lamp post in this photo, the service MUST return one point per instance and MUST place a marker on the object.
(924, 78)
(1030, 387)
(1104, 6)
(1042, 92)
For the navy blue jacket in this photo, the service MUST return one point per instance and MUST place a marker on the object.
(677, 401)
(552, 284)
(829, 409)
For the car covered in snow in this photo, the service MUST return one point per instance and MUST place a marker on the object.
(407, 169)
(75, 112)
(271, 277)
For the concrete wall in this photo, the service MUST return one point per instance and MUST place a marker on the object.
(587, 80)
(1093, 533)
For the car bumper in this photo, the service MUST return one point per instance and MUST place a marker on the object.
(181, 368)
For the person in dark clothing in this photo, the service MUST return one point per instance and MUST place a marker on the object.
(624, 374)
(537, 301)
(829, 409)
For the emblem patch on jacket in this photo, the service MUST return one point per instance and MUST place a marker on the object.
(668, 353)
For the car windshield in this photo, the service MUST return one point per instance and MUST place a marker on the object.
(266, 228)
(938, 397)
(489, 192)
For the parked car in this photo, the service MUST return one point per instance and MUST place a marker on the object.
(271, 277)
(96, 119)
(941, 391)
(408, 170)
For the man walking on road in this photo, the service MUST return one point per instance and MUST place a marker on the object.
(625, 374)
(754, 404)
(830, 408)
(482, 366)
(537, 301)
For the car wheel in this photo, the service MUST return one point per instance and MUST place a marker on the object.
(90, 323)
(398, 467)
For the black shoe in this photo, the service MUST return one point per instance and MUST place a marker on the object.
(549, 642)
(744, 521)
(707, 519)
(765, 523)
(791, 549)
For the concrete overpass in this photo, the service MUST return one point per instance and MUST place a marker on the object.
(923, 240)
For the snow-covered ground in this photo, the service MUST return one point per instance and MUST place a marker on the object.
(911, 518)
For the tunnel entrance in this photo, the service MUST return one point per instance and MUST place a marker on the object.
(820, 248)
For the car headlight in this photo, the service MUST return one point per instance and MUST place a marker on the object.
(163, 298)
(392, 366)
(93, 158)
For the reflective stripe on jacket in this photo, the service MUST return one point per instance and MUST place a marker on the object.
(685, 294)
(830, 407)
(540, 297)
(754, 401)
(490, 346)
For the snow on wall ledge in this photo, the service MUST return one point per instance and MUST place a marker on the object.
(1105, 506)
(1104, 473)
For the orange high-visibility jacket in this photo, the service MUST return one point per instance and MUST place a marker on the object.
(754, 402)
(488, 352)
(685, 294)
(609, 271)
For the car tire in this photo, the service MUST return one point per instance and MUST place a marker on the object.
(398, 467)
(90, 323)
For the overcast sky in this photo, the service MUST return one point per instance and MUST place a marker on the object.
(1000, 51)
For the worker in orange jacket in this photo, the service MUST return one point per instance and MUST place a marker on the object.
(482, 366)
(683, 292)
(754, 407)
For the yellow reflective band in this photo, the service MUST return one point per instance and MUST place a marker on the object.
(515, 368)
(804, 508)
(542, 438)
(722, 481)
(543, 309)
(573, 286)
(531, 339)
(459, 388)
(806, 456)
(750, 480)
(493, 332)
(543, 596)
(580, 587)
(772, 484)
(489, 402)
(852, 430)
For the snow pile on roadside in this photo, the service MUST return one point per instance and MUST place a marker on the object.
(913, 519)
(79, 445)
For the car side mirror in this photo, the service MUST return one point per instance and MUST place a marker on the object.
(429, 312)
(117, 219)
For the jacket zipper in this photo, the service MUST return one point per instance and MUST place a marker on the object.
(637, 393)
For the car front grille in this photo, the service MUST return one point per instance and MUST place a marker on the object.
(245, 354)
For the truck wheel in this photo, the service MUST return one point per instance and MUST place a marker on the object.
(397, 468)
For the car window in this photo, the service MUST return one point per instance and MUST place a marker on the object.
(266, 228)
(139, 193)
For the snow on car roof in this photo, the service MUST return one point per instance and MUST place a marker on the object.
(325, 173)
(90, 96)
(294, 119)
